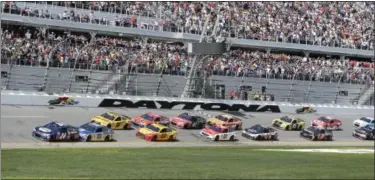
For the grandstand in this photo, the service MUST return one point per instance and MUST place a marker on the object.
(318, 54)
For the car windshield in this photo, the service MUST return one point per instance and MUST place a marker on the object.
(153, 128)
(221, 118)
(324, 119)
(286, 119)
(108, 116)
(147, 117)
(366, 119)
(186, 117)
(215, 128)
(53, 126)
(88, 127)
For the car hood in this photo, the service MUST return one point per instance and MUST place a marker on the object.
(101, 119)
(84, 131)
(146, 131)
(216, 121)
(44, 130)
(210, 131)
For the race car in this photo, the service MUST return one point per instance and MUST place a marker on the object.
(306, 109)
(259, 132)
(366, 133)
(61, 101)
(218, 133)
(112, 120)
(316, 134)
(363, 121)
(188, 121)
(327, 122)
(156, 132)
(95, 132)
(225, 120)
(288, 124)
(56, 131)
(149, 118)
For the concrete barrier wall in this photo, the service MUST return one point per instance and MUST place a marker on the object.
(87, 100)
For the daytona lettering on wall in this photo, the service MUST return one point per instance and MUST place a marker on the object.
(188, 105)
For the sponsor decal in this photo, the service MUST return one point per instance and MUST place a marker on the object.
(149, 104)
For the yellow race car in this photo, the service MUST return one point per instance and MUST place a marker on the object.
(157, 132)
(225, 120)
(112, 120)
(288, 124)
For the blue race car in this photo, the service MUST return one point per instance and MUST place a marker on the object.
(365, 133)
(55, 131)
(95, 132)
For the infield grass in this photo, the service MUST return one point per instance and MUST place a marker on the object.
(183, 163)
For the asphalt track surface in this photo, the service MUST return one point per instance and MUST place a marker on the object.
(17, 123)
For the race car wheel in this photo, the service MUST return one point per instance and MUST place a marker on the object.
(153, 138)
(231, 138)
(185, 126)
(337, 128)
(313, 138)
(274, 138)
(287, 127)
(125, 126)
(88, 139)
(257, 138)
(217, 138)
(106, 138)
(295, 126)
(238, 127)
(109, 126)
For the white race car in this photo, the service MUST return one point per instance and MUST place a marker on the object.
(363, 121)
(218, 133)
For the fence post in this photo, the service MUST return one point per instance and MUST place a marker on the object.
(291, 87)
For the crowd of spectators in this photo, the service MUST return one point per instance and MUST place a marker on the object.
(30, 46)
(339, 24)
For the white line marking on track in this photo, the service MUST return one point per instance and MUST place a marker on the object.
(34, 117)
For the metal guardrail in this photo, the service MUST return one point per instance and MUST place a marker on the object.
(59, 80)
(128, 31)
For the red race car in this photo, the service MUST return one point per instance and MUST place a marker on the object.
(149, 118)
(326, 122)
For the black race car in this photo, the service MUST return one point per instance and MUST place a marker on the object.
(306, 109)
(259, 132)
(316, 134)
(365, 133)
(55, 131)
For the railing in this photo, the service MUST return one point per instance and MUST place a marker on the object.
(148, 23)
(288, 88)
(149, 20)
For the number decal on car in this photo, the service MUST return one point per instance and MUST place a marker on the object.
(163, 135)
(225, 136)
(99, 136)
(62, 136)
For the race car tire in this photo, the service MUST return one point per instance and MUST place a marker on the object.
(153, 138)
(299, 128)
(294, 126)
(258, 138)
(52, 138)
(313, 138)
(238, 127)
(107, 138)
(216, 138)
(329, 139)
(109, 126)
(88, 139)
(170, 138)
(185, 126)
(337, 128)
(231, 138)
(125, 126)
(287, 128)
(274, 137)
